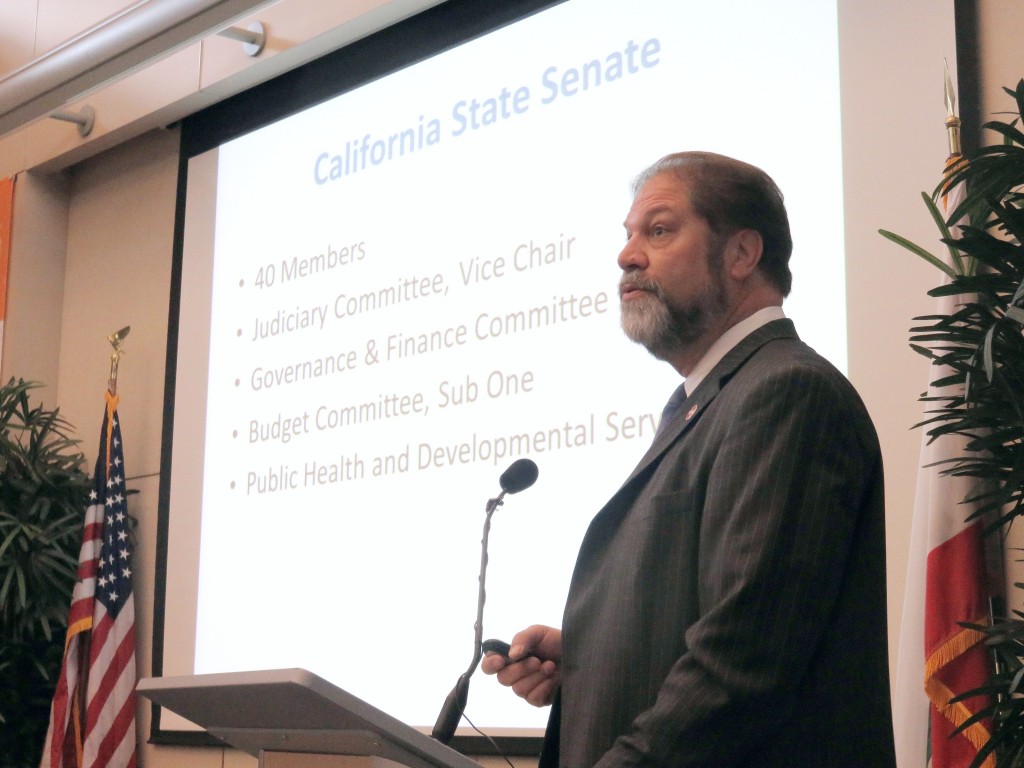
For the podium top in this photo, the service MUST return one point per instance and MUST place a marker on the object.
(294, 710)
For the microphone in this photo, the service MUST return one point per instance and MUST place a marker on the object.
(520, 475)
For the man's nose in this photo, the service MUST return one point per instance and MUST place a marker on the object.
(632, 256)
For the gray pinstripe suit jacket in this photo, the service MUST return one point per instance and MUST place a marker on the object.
(728, 603)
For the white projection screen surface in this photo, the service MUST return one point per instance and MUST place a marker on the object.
(390, 296)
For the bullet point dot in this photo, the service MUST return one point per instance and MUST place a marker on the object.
(237, 382)
(239, 332)
(241, 283)
(232, 485)
(234, 433)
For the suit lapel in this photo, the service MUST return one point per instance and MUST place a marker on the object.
(694, 405)
(607, 520)
(684, 420)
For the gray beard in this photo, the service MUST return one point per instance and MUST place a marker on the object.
(664, 328)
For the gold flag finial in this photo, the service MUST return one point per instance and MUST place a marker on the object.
(952, 121)
(116, 340)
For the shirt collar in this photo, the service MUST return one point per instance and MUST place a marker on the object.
(727, 341)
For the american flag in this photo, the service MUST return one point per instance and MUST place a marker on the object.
(92, 719)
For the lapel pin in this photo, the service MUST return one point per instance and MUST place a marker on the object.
(690, 413)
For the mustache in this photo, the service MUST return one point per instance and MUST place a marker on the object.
(631, 281)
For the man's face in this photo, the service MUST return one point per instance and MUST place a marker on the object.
(672, 290)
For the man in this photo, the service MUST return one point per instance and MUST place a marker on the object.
(728, 603)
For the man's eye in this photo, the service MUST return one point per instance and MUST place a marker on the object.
(657, 230)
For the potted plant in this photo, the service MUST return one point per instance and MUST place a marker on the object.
(43, 495)
(981, 345)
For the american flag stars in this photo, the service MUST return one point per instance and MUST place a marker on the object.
(114, 580)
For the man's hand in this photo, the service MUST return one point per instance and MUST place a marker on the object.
(532, 670)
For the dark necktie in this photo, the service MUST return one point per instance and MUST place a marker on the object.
(673, 405)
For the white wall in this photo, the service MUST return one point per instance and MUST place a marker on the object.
(894, 143)
(38, 252)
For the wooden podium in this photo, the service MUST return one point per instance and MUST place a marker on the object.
(285, 716)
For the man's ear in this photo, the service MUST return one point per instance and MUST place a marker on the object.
(743, 253)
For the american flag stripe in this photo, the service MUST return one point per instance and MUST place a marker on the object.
(79, 621)
(117, 736)
(116, 655)
(101, 625)
(59, 716)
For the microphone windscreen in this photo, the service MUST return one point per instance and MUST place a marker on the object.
(520, 475)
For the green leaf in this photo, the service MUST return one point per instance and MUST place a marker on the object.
(940, 222)
(918, 250)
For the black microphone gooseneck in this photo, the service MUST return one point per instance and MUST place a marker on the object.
(518, 477)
